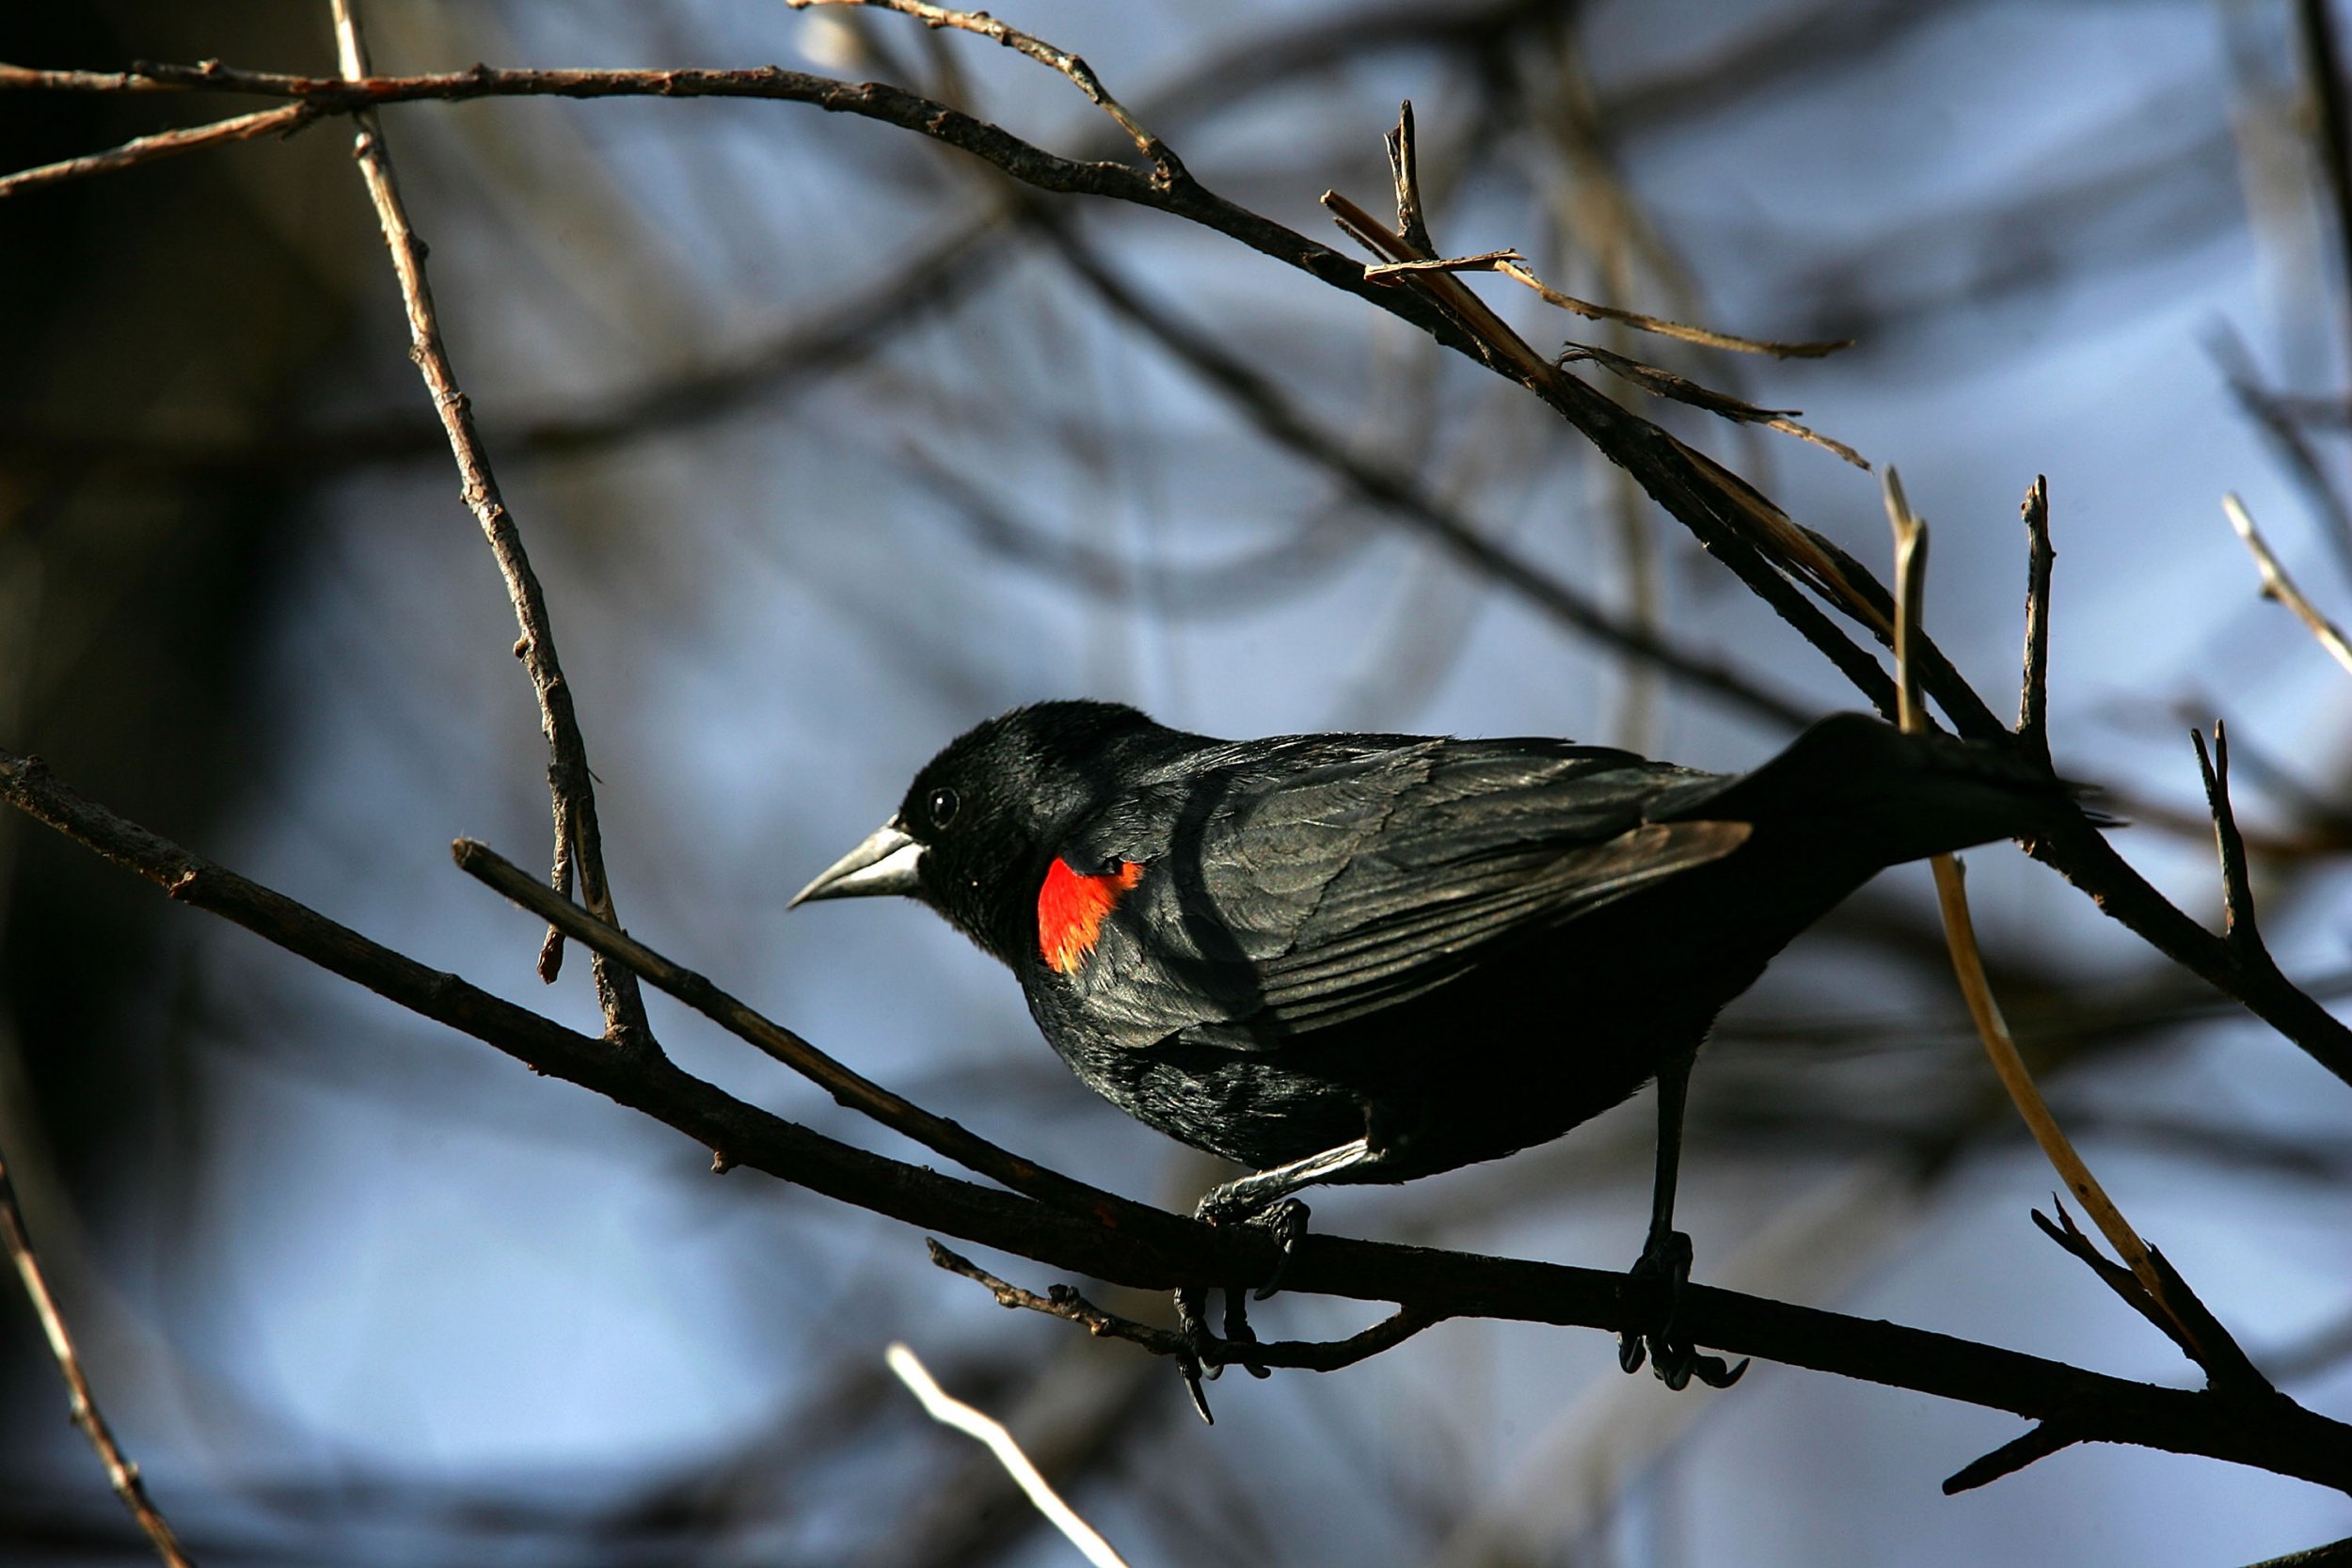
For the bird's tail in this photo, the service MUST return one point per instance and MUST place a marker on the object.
(1891, 795)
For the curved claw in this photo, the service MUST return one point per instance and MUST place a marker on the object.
(1288, 1221)
(1195, 1368)
(1666, 1258)
(1190, 1365)
(1287, 1218)
(1239, 1334)
(1712, 1371)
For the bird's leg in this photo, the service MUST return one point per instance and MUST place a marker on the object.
(1666, 1253)
(1260, 1199)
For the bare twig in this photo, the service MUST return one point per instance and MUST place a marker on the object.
(1517, 269)
(25, 78)
(1412, 218)
(2279, 420)
(2033, 696)
(972, 1422)
(2237, 885)
(1910, 545)
(2278, 585)
(1314, 1355)
(83, 1406)
(1681, 388)
(1144, 1247)
(287, 119)
(2039, 1441)
(1382, 272)
(1513, 265)
(1081, 74)
(578, 841)
(2331, 128)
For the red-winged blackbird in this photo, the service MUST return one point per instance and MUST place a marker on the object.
(1370, 957)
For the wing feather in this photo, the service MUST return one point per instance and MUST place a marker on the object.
(1289, 899)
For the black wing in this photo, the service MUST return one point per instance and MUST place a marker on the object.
(1291, 894)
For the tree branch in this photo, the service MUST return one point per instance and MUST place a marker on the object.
(1131, 1243)
(121, 1474)
(579, 840)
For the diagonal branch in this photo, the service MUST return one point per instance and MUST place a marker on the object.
(1131, 1243)
(283, 121)
(578, 841)
(2148, 1284)
(82, 1405)
(2278, 585)
(1729, 517)
(852, 1089)
(1080, 73)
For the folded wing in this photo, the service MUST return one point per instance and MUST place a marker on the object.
(1289, 899)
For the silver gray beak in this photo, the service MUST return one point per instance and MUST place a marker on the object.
(885, 862)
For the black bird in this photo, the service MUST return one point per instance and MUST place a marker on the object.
(1370, 958)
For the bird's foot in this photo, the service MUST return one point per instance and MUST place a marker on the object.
(1288, 1221)
(1210, 1352)
(1666, 1260)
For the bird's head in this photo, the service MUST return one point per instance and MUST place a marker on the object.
(984, 818)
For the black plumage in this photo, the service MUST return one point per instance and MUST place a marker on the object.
(1370, 958)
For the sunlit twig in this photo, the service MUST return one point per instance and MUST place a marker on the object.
(2278, 585)
(964, 1418)
(120, 1472)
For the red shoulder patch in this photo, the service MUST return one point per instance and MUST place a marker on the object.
(1071, 908)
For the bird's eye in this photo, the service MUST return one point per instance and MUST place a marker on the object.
(942, 806)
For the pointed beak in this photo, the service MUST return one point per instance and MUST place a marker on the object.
(885, 862)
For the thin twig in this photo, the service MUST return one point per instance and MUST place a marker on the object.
(1788, 548)
(2331, 128)
(1313, 1355)
(579, 840)
(1510, 263)
(286, 119)
(2033, 696)
(1382, 272)
(2039, 1441)
(24, 78)
(1517, 269)
(846, 1086)
(2279, 586)
(1911, 556)
(972, 1422)
(1681, 388)
(1081, 74)
(1412, 215)
(82, 1405)
(2239, 927)
(2277, 417)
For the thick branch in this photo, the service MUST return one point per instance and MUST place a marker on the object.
(1131, 1243)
